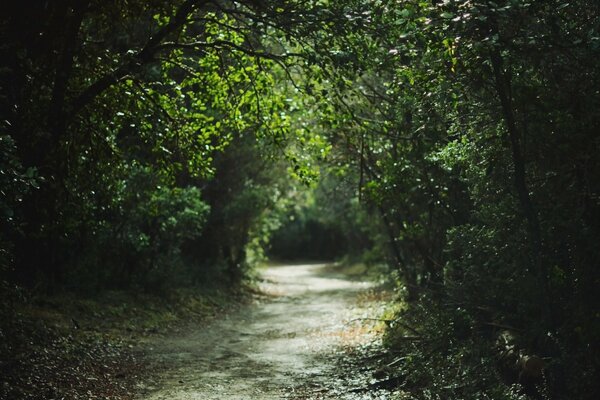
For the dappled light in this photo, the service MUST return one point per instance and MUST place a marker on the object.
(299, 199)
(303, 278)
(269, 350)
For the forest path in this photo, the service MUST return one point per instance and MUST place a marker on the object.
(282, 348)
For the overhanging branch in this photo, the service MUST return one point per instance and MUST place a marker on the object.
(135, 62)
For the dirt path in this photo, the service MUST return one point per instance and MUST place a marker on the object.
(276, 349)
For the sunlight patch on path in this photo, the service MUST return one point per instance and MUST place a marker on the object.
(266, 350)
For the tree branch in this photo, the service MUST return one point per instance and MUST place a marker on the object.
(134, 63)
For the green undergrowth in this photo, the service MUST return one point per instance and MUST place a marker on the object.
(435, 354)
(430, 354)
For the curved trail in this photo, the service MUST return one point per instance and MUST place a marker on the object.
(271, 350)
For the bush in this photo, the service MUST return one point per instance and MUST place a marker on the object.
(443, 355)
(140, 246)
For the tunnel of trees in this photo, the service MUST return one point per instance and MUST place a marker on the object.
(152, 145)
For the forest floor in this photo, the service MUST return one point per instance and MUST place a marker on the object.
(308, 337)
(303, 333)
(72, 346)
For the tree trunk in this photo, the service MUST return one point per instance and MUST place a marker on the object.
(410, 280)
(503, 89)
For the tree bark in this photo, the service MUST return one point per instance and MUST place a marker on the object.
(64, 67)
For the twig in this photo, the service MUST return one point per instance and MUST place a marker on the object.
(387, 321)
(507, 327)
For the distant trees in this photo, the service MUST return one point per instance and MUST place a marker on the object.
(327, 223)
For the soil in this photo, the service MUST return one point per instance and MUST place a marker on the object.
(305, 340)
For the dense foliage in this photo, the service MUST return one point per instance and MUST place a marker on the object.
(148, 144)
(476, 129)
(121, 124)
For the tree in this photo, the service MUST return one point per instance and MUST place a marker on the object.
(95, 93)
